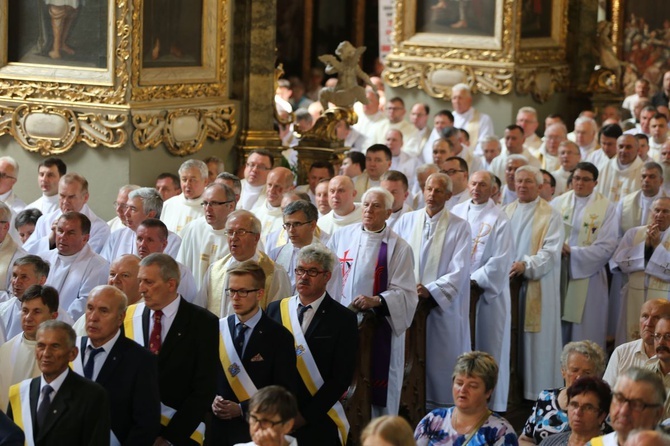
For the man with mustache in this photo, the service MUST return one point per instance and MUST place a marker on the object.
(662, 350)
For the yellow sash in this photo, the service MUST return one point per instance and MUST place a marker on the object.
(168, 412)
(19, 399)
(7, 250)
(533, 315)
(132, 324)
(309, 372)
(236, 374)
(592, 220)
(472, 127)
(218, 278)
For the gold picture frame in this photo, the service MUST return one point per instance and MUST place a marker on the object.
(207, 79)
(70, 83)
(548, 48)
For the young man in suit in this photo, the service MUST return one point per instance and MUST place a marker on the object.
(326, 339)
(124, 368)
(256, 352)
(59, 407)
(184, 337)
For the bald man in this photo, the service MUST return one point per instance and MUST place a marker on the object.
(279, 181)
(344, 210)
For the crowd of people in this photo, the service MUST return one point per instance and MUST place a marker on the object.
(225, 310)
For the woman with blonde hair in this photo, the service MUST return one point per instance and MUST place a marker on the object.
(388, 431)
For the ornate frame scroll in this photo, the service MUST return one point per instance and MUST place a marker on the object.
(207, 80)
(434, 62)
(72, 85)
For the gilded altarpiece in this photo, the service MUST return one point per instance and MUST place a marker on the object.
(110, 73)
(494, 46)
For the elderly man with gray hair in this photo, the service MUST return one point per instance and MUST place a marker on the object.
(140, 204)
(9, 249)
(185, 207)
(119, 221)
(373, 250)
(539, 233)
(477, 124)
(9, 174)
(442, 246)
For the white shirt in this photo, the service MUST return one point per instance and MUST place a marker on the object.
(55, 384)
(101, 357)
(308, 315)
(169, 313)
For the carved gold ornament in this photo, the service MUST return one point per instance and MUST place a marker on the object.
(51, 130)
(183, 131)
(541, 82)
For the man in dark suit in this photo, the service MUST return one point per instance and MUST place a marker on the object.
(255, 348)
(60, 407)
(124, 368)
(10, 433)
(331, 335)
(185, 338)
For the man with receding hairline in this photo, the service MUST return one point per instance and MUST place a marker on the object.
(185, 207)
(568, 156)
(258, 165)
(268, 211)
(344, 210)
(477, 124)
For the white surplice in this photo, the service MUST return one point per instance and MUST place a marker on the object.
(407, 164)
(179, 211)
(616, 181)
(448, 324)
(17, 362)
(331, 222)
(75, 276)
(492, 252)
(123, 241)
(541, 351)
(250, 195)
(45, 204)
(358, 251)
(39, 240)
(588, 262)
(271, 218)
(201, 245)
(395, 216)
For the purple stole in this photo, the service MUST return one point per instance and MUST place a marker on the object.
(381, 340)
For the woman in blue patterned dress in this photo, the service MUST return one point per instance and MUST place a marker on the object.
(470, 422)
(549, 417)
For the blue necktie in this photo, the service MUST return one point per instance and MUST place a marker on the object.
(240, 329)
(88, 368)
(43, 410)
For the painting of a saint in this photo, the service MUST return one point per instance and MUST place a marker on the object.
(172, 33)
(58, 32)
(463, 17)
(536, 18)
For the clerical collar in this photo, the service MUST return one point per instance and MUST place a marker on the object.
(582, 199)
(530, 203)
(478, 207)
(254, 188)
(6, 195)
(375, 232)
(623, 166)
(401, 208)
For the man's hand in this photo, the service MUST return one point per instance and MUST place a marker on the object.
(225, 409)
(566, 250)
(366, 302)
(268, 437)
(653, 238)
(160, 441)
(299, 421)
(518, 268)
(422, 291)
(52, 234)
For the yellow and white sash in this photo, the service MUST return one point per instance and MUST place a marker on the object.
(167, 413)
(417, 239)
(236, 374)
(218, 278)
(592, 221)
(631, 212)
(19, 399)
(472, 127)
(132, 324)
(540, 226)
(309, 372)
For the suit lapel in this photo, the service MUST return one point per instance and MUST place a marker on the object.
(113, 358)
(34, 396)
(255, 339)
(145, 325)
(323, 309)
(82, 350)
(177, 329)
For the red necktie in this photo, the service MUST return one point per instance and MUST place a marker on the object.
(155, 338)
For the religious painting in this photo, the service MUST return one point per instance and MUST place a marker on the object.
(536, 18)
(172, 33)
(643, 41)
(68, 33)
(459, 17)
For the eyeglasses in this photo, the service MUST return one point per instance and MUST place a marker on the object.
(215, 203)
(253, 166)
(665, 337)
(239, 232)
(575, 406)
(116, 203)
(582, 179)
(240, 293)
(265, 424)
(310, 272)
(451, 172)
(4, 176)
(635, 405)
(295, 225)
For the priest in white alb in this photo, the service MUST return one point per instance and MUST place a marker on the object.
(441, 246)
(9, 249)
(620, 176)
(141, 204)
(591, 236)
(185, 207)
(634, 209)
(243, 230)
(396, 183)
(491, 260)
(343, 209)
(644, 256)
(378, 274)
(268, 211)
(537, 229)
(203, 240)
(49, 172)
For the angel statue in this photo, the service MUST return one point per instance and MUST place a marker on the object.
(347, 91)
